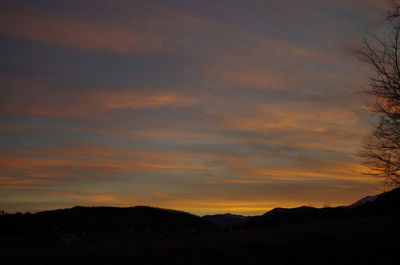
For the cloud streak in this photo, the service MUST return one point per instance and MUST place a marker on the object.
(198, 107)
(131, 33)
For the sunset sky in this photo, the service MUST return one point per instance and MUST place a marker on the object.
(207, 106)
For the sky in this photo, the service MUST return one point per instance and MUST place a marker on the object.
(208, 106)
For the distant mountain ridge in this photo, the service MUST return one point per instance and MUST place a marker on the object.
(365, 233)
(88, 223)
(136, 223)
(363, 201)
(297, 210)
(385, 203)
(382, 204)
(226, 220)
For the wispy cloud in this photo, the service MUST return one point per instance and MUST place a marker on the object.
(199, 107)
(47, 98)
(140, 28)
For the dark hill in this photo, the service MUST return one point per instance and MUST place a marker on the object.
(387, 203)
(97, 224)
(226, 220)
(365, 233)
(290, 211)
(104, 222)
(282, 216)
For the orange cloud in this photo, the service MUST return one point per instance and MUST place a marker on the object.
(270, 64)
(17, 100)
(118, 100)
(337, 171)
(6, 127)
(143, 30)
(29, 167)
(74, 33)
(101, 198)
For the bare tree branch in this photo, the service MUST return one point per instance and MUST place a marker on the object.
(381, 149)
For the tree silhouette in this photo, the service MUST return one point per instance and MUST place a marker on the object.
(381, 149)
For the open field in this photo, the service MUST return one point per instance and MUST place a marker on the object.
(357, 241)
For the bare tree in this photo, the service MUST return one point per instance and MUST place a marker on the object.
(381, 149)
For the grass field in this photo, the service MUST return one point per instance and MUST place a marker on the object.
(357, 241)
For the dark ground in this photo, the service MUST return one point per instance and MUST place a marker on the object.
(359, 241)
(366, 234)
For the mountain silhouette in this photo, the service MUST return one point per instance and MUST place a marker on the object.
(362, 201)
(226, 220)
(88, 223)
(365, 233)
(383, 204)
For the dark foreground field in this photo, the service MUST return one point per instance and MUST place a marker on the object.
(366, 232)
(372, 240)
